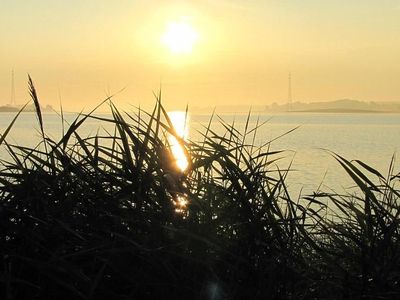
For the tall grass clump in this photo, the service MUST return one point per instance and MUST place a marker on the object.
(356, 239)
(111, 216)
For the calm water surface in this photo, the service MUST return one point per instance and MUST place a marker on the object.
(372, 138)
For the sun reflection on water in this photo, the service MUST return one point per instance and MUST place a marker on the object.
(180, 121)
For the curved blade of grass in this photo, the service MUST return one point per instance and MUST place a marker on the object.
(370, 169)
(77, 123)
(5, 133)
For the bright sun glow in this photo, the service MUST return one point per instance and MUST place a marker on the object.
(180, 37)
(180, 121)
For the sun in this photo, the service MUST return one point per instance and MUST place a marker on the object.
(180, 37)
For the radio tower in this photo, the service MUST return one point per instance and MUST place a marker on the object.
(12, 100)
(289, 108)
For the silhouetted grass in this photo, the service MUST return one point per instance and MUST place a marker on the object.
(96, 218)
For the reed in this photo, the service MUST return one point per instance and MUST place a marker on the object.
(96, 218)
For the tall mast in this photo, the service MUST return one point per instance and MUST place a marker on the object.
(12, 100)
(290, 100)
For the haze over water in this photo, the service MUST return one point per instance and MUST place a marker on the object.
(202, 52)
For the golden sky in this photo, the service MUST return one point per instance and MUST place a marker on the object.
(242, 53)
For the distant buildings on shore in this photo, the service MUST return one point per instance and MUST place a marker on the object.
(13, 107)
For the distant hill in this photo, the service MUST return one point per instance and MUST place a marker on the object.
(28, 108)
(337, 106)
(340, 106)
(9, 108)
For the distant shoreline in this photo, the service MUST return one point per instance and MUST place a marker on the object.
(329, 110)
(29, 108)
(321, 111)
(337, 106)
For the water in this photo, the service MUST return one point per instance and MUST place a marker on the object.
(372, 138)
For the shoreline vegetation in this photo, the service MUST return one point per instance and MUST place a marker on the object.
(101, 217)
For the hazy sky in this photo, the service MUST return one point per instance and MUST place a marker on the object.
(245, 50)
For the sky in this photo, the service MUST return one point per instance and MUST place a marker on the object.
(78, 52)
